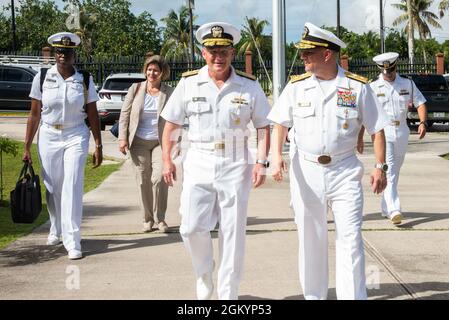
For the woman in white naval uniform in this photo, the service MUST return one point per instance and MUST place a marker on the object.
(396, 94)
(58, 112)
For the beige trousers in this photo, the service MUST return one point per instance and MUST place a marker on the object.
(146, 156)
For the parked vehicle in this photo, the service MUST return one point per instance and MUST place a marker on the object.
(15, 86)
(112, 95)
(436, 91)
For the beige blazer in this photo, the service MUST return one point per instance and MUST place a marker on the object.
(132, 109)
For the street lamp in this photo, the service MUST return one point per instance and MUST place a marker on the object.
(382, 28)
(191, 6)
(13, 26)
(338, 18)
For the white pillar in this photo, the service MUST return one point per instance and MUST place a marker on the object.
(278, 47)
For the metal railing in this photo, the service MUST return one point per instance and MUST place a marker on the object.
(101, 68)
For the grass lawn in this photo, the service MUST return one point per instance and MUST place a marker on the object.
(446, 156)
(10, 231)
(13, 114)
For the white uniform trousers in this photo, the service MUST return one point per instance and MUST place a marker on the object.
(395, 155)
(215, 189)
(315, 189)
(63, 156)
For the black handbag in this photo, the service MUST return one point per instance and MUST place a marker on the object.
(114, 130)
(26, 198)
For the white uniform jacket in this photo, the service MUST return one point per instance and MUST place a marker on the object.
(328, 124)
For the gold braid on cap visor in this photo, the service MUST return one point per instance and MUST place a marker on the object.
(389, 67)
(57, 45)
(307, 44)
(217, 42)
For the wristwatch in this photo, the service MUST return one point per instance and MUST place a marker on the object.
(265, 163)
(424, 123)
(382, 166)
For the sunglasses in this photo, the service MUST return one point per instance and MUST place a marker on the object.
(64, 51)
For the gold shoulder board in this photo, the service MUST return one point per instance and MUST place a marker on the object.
(190, 73)
(356, 77)
(300, 77)
(245, 75)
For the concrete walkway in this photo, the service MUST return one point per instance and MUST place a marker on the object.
(120, 262)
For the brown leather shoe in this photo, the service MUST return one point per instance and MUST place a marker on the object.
(162, 226)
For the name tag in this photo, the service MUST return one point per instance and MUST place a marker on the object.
(238, 100)
(381, 94)
(199, 99)
(404, 93)
(50, 80)
(304, 104)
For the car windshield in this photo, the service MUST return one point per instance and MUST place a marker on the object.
(120, 84)
(430, 82)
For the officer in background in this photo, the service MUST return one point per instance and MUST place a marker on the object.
(396, 94)
(218, 168)
(58, 110)
(326, 108)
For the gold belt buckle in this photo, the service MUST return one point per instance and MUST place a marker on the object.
(219, 146)
(58, 126)
(396, 123)
(324, 159)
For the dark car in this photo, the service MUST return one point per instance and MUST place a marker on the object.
(436, 91)
(15, 86)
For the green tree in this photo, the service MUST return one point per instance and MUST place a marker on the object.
(176, 43)
(421, 19)
(36, 20)
(443, 6)
(109, 28)
(5, 32)
(253, 36)
(397, 41)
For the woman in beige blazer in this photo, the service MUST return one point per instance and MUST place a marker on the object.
(140, 133)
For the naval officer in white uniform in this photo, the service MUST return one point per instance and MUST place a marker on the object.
(219, 102)
(326, 108)
(396, 94)
(59, 109)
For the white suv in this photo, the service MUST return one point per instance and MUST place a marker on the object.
(112, 95)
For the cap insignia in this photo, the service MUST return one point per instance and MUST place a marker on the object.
(65, 41)
(306, 32)
(217, 31)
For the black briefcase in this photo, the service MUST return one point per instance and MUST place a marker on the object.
(26, 199)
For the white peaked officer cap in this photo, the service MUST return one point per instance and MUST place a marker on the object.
(218, 34)
(64, 40)
(386, 60)
(314, 37)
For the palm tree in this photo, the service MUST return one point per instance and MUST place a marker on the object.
(253, 32)
(177, 35)
(443, 6)
(87, 24)
(421, 19)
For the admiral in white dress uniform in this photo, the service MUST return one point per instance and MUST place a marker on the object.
(219, 102)
(326, 108)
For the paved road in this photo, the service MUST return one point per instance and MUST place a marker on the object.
(409, 262)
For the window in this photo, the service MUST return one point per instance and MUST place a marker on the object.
(430, 82)
(16, 75)
(120, 84)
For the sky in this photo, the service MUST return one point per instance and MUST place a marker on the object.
(356, 15)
